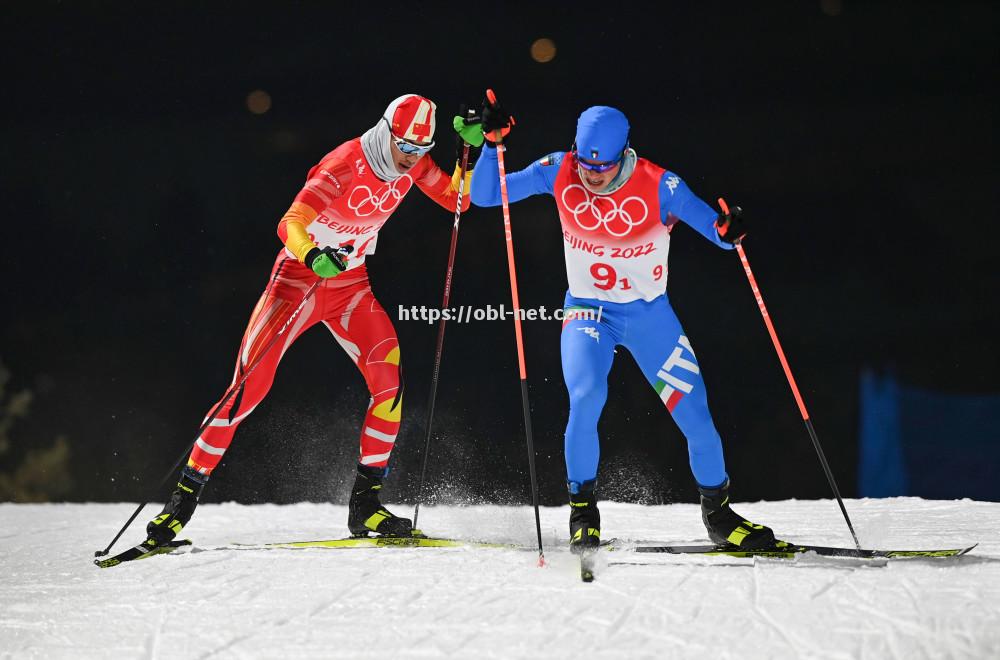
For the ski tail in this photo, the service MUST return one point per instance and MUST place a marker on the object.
(783, 550)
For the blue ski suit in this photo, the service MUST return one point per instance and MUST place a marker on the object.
(616, 259)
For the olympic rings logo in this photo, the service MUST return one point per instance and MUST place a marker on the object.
(591, 212)
(364, 202)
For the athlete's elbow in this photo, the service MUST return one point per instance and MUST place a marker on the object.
(483, 198)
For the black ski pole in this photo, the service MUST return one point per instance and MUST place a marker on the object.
(440, 337)
(791, 381)
(517, 331)
(212, 415)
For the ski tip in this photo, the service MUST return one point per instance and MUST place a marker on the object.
(541, 561)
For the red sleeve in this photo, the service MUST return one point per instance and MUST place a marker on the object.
(437, 185)
(327, 181)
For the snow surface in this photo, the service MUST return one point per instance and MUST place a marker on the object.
(486, 603)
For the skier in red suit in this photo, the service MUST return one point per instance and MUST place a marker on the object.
(328, 232)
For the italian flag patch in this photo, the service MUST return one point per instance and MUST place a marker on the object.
(668, 395)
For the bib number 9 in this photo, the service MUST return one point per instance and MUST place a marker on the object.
(605, 277)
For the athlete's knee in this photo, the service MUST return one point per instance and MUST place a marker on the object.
(694, 419)
(587, 390)
(387, 407)
(702, 439)
(387, 396)
(385, 383)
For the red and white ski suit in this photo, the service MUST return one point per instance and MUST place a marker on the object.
(343, 204)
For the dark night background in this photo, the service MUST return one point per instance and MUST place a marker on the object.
(140, 198)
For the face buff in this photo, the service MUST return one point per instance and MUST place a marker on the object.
(410, 117)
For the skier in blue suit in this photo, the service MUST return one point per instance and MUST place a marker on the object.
(617, 211)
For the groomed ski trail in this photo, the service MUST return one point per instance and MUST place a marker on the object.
(495, 603)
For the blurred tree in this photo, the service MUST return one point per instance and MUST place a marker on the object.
(40, 474)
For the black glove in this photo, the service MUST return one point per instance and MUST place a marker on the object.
(731, 226)
(495, 118)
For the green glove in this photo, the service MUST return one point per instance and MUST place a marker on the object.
(470, 130)
(325, 262)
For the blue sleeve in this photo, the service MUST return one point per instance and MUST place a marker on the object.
(537, 178)
(677, 199)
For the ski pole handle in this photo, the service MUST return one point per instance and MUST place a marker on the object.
(499, 133)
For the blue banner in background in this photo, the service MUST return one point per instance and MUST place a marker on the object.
(927, 444)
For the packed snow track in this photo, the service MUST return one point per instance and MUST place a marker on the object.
(209, 602)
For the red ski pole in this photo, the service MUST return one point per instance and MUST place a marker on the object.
(791, 379)
(440, 338)
(498, 138)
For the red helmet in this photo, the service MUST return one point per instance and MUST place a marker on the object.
(413, 119)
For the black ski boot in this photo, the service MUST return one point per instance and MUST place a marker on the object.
(727, 527)
(366, 513)
(584, 518)
(178, 510)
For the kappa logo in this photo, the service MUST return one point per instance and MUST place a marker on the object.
(364, 202)
(591, 331)
(672, 182)
(360, 164)
(593, 212)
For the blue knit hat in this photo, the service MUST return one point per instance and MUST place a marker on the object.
(601, 133)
